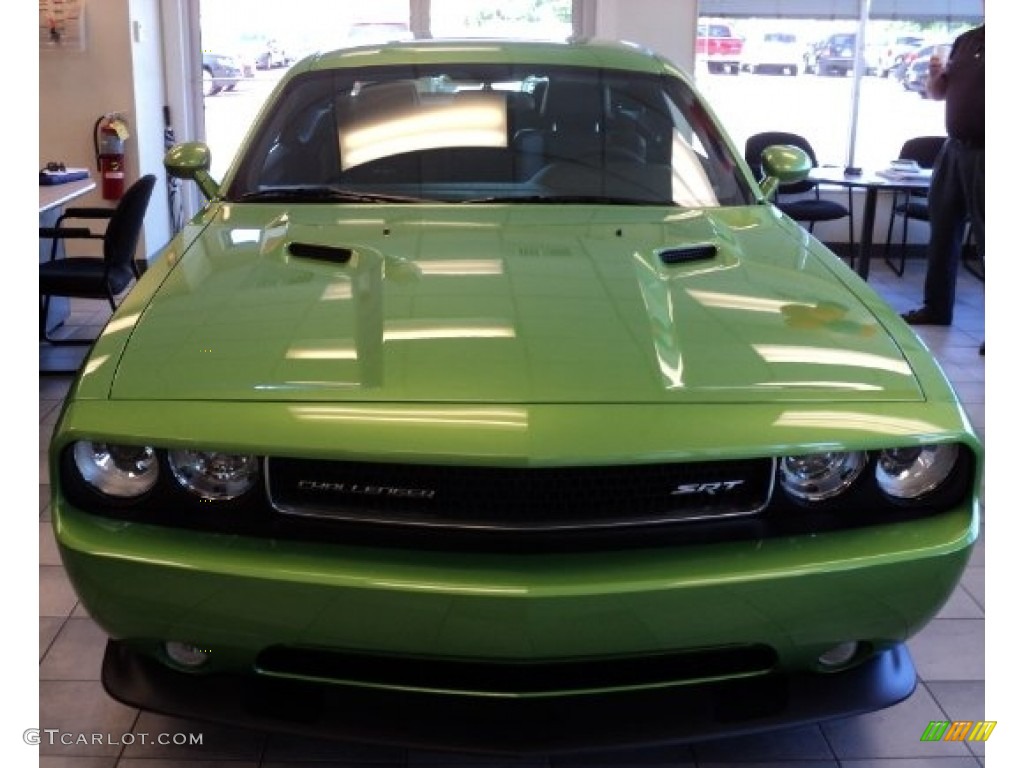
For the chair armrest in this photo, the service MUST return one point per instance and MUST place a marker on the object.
(67, 233)
(87, 213)
(57, 234)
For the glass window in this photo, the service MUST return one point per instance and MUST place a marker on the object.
(532, 19)
(797, 75)
(485, 132)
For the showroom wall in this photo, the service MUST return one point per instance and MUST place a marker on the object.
(665, 26)
(119, 70)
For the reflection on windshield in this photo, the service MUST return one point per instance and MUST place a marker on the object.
(486, 133)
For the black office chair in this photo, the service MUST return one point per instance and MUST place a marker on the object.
(792, 199)
(911, 205)
(104, 277)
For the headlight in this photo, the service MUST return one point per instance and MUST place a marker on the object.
(213, 475)
(909, 473)
(122, 471)
(819, 476)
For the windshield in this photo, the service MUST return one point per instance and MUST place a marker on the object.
(484, 133)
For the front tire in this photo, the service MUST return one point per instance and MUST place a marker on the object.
(209, 86)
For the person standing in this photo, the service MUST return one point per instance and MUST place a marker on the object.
(957, 192)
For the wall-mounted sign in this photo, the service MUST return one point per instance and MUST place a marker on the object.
(62, 25)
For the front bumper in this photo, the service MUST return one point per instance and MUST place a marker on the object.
(418, 719)
(585, 617)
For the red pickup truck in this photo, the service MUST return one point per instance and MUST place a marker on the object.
(719, 48)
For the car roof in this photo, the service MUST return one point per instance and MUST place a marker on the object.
(586, 53)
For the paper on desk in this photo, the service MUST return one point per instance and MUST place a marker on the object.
(65, 171)
(924, 174)
(51, 178)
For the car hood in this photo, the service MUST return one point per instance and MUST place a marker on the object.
(507, 303)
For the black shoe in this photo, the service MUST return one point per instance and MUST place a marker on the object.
(981, 351)
(925, 316)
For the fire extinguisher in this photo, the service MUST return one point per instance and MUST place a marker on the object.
(109, 135)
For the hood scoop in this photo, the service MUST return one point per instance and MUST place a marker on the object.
(328, 253)
(700, 252)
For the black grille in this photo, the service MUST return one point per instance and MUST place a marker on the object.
(525, 678)
(534, 499)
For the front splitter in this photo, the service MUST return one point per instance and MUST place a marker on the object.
(558, 724)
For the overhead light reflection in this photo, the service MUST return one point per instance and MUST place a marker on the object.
(121, 323)
(412, 331)
(841, 385)
(738, 301)
(95, 364)
(451, 588)
(506, 418)
(772, 353)
(860, 422)
(337, 291)
(327, 352)
(243, 236)
(479, 123)
(462, 267)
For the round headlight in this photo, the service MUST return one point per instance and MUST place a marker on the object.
(819, 476)
(121, 471)
(213, 475)
(909, 473)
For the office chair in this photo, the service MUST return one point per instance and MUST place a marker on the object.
(791, 199)
(911, 205)
(103, 277)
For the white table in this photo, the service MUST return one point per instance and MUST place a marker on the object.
(56, 195)
(871, 183)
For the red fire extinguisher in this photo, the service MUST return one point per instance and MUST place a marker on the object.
(109, 135)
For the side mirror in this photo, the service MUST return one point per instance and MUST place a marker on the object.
(191, 160)
(783, 164)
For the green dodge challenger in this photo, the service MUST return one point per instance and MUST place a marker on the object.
(490, 404)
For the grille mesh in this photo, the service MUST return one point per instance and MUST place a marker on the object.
(519, 498)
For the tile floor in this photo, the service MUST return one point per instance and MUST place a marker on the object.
(949, 653)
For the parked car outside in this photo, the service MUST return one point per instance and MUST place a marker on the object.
(916, 77)
(272, 56)
(221, 72)
(924, 53)
(719, 48)
(833, 55)
(778, 52)
(883, 58)
(490, 388)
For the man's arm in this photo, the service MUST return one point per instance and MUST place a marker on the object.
(936, 84)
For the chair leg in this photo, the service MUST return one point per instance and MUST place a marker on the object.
(903, 245)
(899, 267)
(44, 334)
(853, 257)
(44, 313)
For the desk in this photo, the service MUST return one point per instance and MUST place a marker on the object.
(56, 195)
(871, 183)
(52, 199)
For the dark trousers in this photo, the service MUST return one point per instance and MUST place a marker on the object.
(956, 196)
